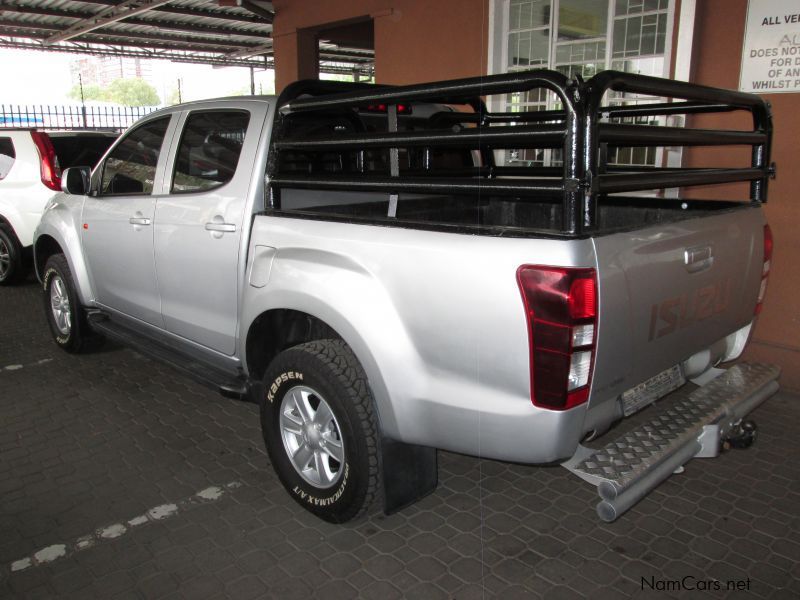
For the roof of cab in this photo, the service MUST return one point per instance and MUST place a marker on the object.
(207, 101)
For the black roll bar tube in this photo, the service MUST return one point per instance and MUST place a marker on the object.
(465, 91)
(576, 129)
(594, 133)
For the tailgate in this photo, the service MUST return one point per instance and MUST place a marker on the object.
(670, 291)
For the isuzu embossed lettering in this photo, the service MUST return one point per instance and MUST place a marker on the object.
(389, 271)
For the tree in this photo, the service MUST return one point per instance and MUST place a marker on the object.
(132, 92)
(127, 92)
(90, 92)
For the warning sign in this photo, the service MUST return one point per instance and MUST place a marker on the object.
(771, 53)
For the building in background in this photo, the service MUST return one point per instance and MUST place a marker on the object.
(102, 70)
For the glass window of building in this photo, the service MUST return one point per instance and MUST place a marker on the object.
(580, 38)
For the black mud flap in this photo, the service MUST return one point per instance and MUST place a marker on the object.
(409, 473)
(255, 392)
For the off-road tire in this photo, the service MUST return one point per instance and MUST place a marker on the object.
(330, 369)
(57, 268)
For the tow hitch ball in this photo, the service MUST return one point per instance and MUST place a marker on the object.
(741, 436)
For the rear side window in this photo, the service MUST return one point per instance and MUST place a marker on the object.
(209, 150)
(7, 156)
(80, 150)
(131, 166)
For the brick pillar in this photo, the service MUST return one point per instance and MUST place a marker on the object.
(296, 57)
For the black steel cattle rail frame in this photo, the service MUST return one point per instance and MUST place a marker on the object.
(695, 99)
(583, 129)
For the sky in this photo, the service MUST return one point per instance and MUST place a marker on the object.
(34, 77)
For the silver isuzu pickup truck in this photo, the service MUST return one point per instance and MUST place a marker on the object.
(389, 271)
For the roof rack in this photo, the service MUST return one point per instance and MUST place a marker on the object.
(583, 129)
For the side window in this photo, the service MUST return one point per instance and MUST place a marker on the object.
(7, 156)
(209, 150)
(131, 166)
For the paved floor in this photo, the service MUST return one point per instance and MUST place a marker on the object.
(109, 451)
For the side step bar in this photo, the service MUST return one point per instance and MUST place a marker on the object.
(628, 468)
(229, 384)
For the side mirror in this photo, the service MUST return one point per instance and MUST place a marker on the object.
(76, 181)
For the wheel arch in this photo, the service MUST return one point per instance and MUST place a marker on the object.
(62, 239)
(277, 328)
(8, 227)
(44, 247)
(8, 224)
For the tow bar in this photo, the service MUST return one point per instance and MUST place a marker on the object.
(708, 421)
(742, 436)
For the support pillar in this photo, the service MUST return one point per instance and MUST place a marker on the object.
(296, 57)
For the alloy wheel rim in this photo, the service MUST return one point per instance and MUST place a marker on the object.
(5, 260)
(59, 304)
(312, 437)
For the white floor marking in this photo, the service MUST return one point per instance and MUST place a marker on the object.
(211, 493)
(50, 553)
(162, 512)
(23, 563)
(18, 367)
(112, 531)
(84, 542)
(140, 520)
(115, 530)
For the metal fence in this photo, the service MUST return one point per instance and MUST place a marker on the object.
(45, 116)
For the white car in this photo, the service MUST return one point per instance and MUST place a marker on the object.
(30, 173)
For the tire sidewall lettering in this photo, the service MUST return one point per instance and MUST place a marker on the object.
(324, 500)
(284, 377)
(47, 275)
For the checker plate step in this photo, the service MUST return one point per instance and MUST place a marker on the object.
(630, 456)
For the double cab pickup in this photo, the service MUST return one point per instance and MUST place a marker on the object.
(456, 265)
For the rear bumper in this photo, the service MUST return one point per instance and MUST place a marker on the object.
(629, 467)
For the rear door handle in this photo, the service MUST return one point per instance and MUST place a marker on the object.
(222, 227)
(139, 221)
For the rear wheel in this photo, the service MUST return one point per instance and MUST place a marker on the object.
(62, 306)
(11, 263)
(320, 429)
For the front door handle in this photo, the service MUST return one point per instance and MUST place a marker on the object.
(139, 221)
(222, 227)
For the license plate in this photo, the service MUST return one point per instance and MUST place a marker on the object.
(651, 390)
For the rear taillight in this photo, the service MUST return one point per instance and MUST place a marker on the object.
(762, 291)
(48, 163)
(561, 310)
(402, 109)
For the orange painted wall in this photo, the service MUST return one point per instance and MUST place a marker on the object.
(719, 35)
(415, 40)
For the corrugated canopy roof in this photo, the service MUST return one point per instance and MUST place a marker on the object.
(217, 32)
